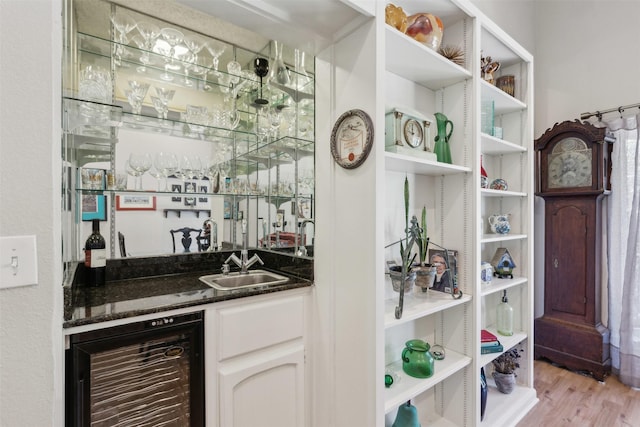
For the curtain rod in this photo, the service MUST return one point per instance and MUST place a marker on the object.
(599, 114)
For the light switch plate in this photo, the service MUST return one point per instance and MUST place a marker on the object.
(18, 261)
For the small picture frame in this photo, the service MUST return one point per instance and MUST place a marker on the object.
(135, 202)
(176, 188)
(94, 206)
(190, 201)
(446, 269)
(204, 190)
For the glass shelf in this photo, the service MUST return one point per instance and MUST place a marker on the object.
(188, 74)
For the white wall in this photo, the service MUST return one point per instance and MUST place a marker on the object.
(31, 317)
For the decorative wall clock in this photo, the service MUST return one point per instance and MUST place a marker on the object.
(352, 139)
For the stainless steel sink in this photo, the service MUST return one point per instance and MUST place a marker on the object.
(254, 279)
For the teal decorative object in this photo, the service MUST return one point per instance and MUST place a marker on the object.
(407, 416)
(442, 150)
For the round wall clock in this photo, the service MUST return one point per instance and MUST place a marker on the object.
(352, 139)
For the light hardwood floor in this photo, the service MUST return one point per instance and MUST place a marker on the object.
(571, 399)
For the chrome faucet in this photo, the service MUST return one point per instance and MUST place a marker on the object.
(212, 226)
(302, 250)
(243, 262)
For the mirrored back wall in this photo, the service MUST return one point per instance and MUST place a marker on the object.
(242, 139)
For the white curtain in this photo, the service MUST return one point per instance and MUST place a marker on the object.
(624, 251)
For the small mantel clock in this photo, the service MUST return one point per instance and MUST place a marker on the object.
(573, 166)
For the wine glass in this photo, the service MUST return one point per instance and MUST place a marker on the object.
(140, 163)
(261, 68)
(160, 107)
(165, 95)
(167, 164)
(137, 94)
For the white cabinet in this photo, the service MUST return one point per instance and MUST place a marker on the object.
(255, 365)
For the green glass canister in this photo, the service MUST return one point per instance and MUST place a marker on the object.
(417, 361)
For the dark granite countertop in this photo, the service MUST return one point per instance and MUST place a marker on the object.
(137, 286)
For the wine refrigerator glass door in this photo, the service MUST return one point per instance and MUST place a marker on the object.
(143, 374)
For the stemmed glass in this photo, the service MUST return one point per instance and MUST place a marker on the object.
(173, 37)
(144, 58)
(187, 59)
(139, 163)
(195, 44)
(261, 68)
(136, 94)
(216, 49)
(167, 164)
(123, 24)
(149, 32)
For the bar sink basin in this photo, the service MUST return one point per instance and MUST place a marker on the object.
(254, 279)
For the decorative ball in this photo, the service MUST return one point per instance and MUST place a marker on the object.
(395, 16)
(426, 28)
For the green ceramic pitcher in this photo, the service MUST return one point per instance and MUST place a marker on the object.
(417, 361)
(441, 147)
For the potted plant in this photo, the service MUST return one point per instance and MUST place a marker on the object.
(425, 273)
(504, 370)
(405, 269)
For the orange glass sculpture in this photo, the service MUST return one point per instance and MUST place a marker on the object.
(425, 28)
(395, 16)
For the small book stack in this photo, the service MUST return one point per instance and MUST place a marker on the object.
(489, 343)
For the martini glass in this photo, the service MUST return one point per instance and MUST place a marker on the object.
(149, 33)
(123, 24)
(195, 44)
(216, 49)
(173, 37)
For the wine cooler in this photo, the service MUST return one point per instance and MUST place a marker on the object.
(142, 374)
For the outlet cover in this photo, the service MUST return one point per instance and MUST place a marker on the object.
(18, 261)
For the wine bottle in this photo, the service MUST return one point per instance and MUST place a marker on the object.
(95, 257)
(505, 316)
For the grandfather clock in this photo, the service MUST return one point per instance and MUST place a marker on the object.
(573, 166)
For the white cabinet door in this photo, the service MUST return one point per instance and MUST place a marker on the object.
(263, 389)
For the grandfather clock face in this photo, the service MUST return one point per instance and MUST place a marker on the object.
(570, 164)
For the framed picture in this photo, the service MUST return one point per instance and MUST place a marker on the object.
(135, 202)
(94, 207)
(204, 190)
(446, 269)
(190, 187)
(176, 188)
(230, 213)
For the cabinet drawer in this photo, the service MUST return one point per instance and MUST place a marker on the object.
(249, 327)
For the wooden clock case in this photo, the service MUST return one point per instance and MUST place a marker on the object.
(570, 332)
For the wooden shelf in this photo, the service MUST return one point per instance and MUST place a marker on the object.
(487, 192)
(492, 145)
(491, 238)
